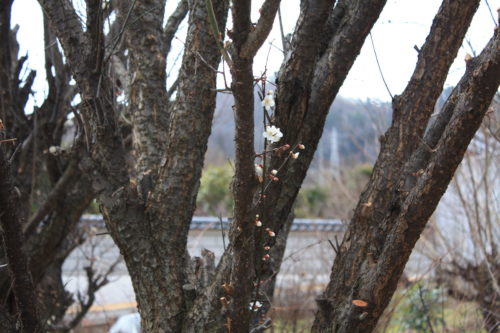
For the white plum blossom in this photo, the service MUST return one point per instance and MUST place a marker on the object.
(272, 133)
(56, 150)
(255, 306)
(268, 101)
(270, 232)
(258, 170)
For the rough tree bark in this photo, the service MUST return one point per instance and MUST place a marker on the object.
(411, 174)
(314, 69)
(312, 62)
(246, 42)
(170, 141)
(17, 260)
(148, 201)
(34, 170)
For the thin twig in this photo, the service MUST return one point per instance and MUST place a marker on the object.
(283, 39)
(427, 312)
(120, 33)
(333, 247)
(172, 88)
(491, 13)
(216, 32)
(262, 327)
(222, 231)
(8, 140)
(16, 150)
(202, 59)
(380, 68)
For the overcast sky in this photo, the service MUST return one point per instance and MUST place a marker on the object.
(402, 24)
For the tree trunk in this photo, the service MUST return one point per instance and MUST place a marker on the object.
(384, 230)
(17, 260)
(148, 204)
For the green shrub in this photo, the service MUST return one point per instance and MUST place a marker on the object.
(214, 196)
(422, 308)
(311, 201)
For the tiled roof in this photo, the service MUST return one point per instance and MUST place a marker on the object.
(212, 222)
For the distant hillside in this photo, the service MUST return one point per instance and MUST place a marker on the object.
(350, 135)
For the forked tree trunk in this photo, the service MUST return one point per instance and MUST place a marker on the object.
(148, 205)
(392, 213)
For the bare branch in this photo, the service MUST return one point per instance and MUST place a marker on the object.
(243, 271)
(53, 58)
(466, 108)
(116, 35)
(477, 81)
(67, 26)
(25, 90)
(94, 283)
(257, 37)
(305, 45)
(262, 327)
(379, 67)
(172, 88)
(95, 20)
(170, 146)
(216, 32)
(173, 24)
(413, 108)
(52, 199)
(299, 80)
(148, 90)
(285, 44)
(388, 228)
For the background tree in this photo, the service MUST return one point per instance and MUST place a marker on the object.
(469, 260)
(53, 193)
(143, 158)
(16, 259)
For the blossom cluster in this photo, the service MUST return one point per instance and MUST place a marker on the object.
(272, 134)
